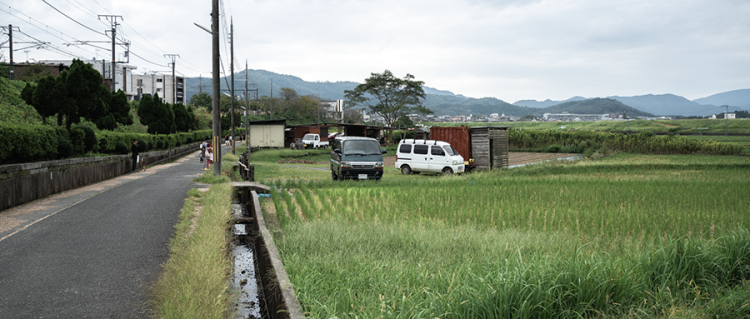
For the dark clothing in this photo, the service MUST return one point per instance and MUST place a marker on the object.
(134, 149)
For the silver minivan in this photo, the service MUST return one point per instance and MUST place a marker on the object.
(354, 157)
(428, 156)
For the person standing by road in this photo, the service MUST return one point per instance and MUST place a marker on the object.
(134, 149)
(204, 145)
(209, 155)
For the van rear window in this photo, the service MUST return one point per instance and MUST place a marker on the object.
(404, 148)
(421, 149)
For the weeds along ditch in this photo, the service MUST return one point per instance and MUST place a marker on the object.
(536, 242)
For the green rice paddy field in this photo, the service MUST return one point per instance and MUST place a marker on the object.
(627, 236)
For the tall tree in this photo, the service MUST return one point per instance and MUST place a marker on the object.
(202, 99)
(42, 97)
(387, 95)
(181, 118)
(158, 116)
(119, 111)
(84, 87)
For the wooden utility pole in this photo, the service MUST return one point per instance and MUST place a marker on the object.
(231, 70)
(216, 90)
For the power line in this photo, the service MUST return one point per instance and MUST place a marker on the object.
(41, 28)
(74, 20)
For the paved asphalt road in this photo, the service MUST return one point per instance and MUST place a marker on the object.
(92, 252)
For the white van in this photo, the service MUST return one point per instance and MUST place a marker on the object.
(428, 156)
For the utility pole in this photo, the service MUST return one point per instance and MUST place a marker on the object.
(231, 70)
(114, 24)
(10, 40)
(247, 113)
(216, 90)
(174, 82)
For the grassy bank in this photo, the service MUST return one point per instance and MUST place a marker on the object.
(626, 236)
(195, 281)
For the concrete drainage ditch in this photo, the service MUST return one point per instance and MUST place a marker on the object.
(259, 279)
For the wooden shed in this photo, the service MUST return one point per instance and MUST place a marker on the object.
(489, 146)
(267, 133)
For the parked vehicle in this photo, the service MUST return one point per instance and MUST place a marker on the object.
(354, 157)
(431, 156)
(314, 141)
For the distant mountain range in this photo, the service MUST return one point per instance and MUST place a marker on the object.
(670, 104)
(444, 102)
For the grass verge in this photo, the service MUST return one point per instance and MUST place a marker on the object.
(195, 281)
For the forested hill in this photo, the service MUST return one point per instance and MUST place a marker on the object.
(455, 105)
(595, 106)
(439, 101)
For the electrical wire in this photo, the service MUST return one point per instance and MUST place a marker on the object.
(30, 19)
(74, 20)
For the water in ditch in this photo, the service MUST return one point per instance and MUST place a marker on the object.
(245, 281)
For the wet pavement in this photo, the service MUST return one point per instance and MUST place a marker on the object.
(92, 252)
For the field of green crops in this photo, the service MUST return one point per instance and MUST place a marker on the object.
(677, 126)
(626, 236)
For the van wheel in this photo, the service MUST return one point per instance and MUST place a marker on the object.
(406, 170)
(447, 171)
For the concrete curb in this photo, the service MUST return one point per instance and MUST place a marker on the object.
(280, 297)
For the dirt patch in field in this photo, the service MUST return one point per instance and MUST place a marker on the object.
(514, 158)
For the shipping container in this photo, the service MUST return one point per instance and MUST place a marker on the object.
(457, 136)
(484, 147)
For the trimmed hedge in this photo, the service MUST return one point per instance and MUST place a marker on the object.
(27, 143)
(32, 143)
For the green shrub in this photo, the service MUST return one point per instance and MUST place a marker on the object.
(121, 148)
(27, 143)
(89, 140)
(142, 145)
(65, 148)
(552, 148)
(160, 144)
(77, 137)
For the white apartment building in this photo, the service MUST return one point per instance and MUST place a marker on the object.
(333, 109)
(170, 90)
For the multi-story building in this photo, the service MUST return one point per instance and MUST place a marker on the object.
(333, 109)
(169, 90)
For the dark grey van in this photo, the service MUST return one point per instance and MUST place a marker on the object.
(354, 157)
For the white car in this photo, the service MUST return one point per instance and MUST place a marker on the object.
(428, 156)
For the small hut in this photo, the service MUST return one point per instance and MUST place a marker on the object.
(489, 146)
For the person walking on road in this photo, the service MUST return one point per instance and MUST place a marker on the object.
(134, 149)
(209, 155)
(204, 145)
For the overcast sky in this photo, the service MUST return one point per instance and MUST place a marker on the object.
(511, 50)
